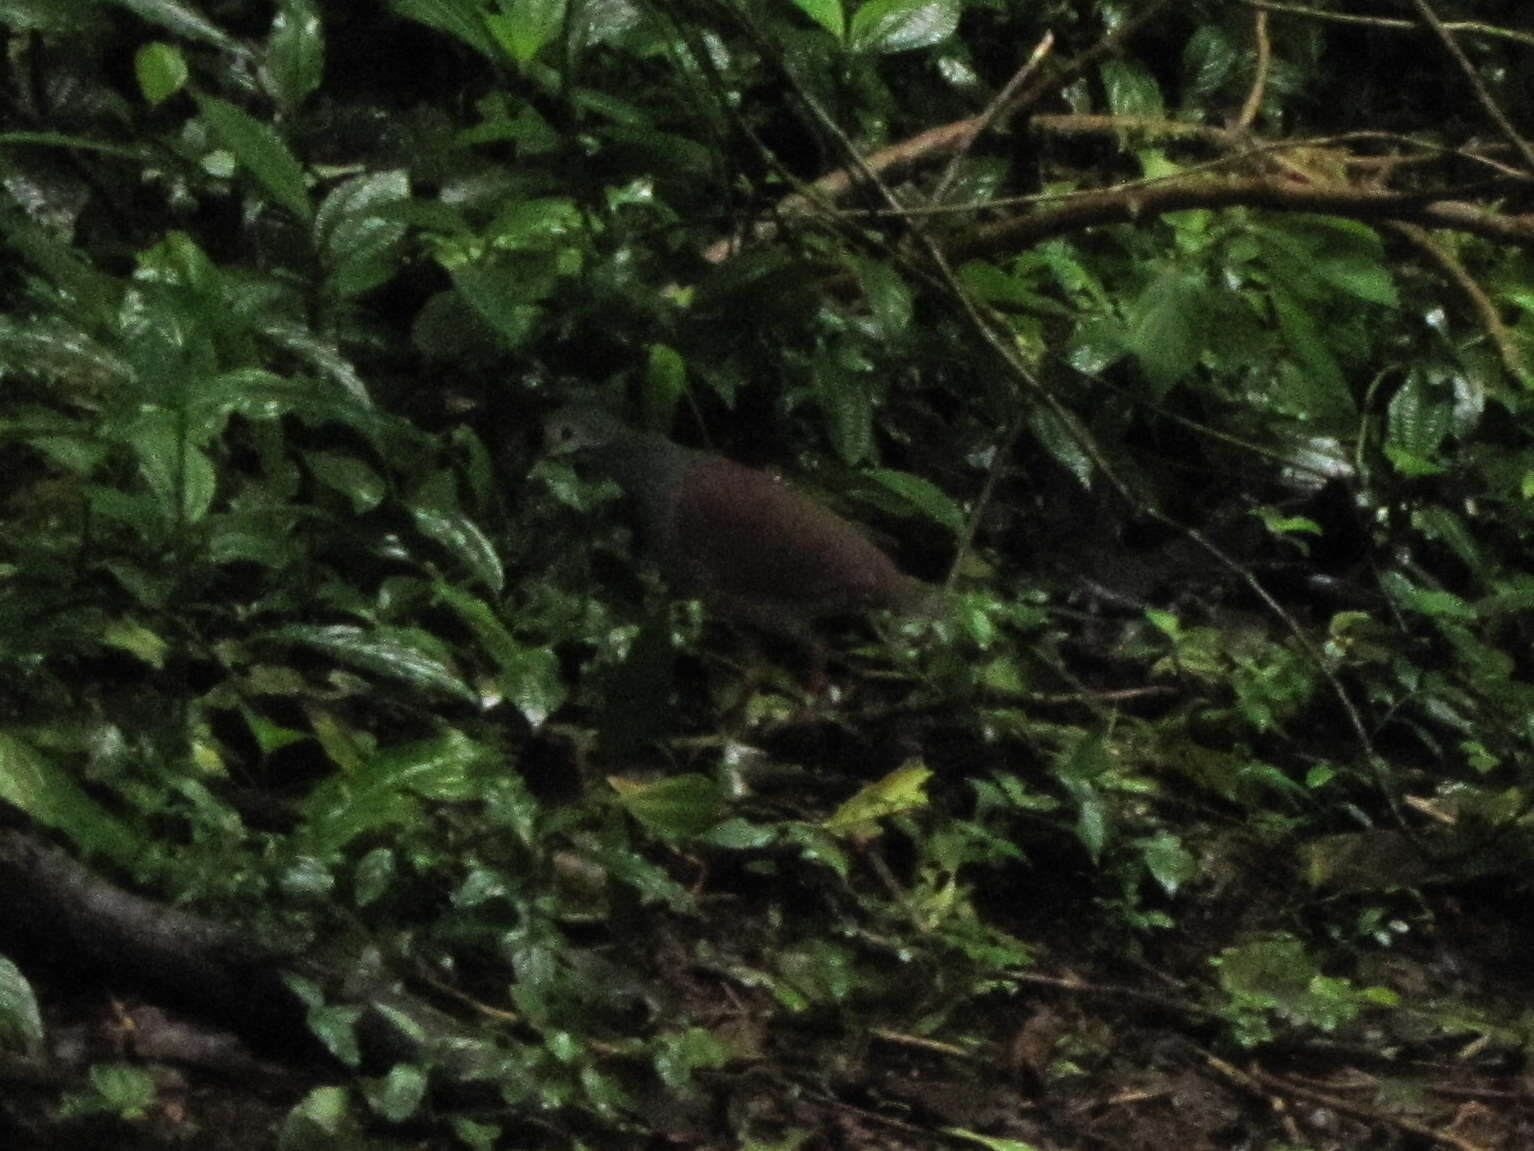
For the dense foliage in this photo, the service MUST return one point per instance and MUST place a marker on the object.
(1186, 344)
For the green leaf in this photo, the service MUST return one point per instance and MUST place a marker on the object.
(1318, 385)
(353, 478)
(437, 519)
(1166, 335)
(677, 808)
(1169, 862)
(523, 28)
(665, 384)
(680, 1053)
(21, 1023)
(922, 494)
(180, 475)
(846, 398)
(134, 638)
(1132, 91)
(528, 677)
(381, 791)
(375, 872)
(990, 1142)
(889, 298)
(322, 1121)
(1417, 419)
(904, 789)
(504, 296)
(827, 13)
(161, 71)
(1209, 59)
(32, 783)
(887, 26)
(183, 20)
(358, 235)
(400, 654)
(295, 53)
(261, 150)
(78, 18)
(462, 18)
(398, 1095)
(335, 1026)
(115, 1089)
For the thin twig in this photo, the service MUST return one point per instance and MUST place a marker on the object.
(1326, 1099)
(987, 490)
(1492, 108)
(1253, 103)
(1451, 266)
(1391, 24)
(935, 142)
(995, 113)
(1006, 351)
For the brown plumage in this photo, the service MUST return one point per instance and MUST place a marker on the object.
(747, 543)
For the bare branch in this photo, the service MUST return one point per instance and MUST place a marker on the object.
(1492, 108)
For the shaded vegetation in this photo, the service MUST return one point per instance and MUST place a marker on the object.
(362, 786)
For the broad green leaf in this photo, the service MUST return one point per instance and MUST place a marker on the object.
(1132, 91)
(32, 783)
(903, 789)
(548, 223)
(1209, 59)
(295, 53)
(117, 1089)
(181, 475)
(375, 872)
(1361, 274)
(665, 384)
(184, 20)
(990, 1142)
(523, 28)
(398, 1095)
(134, 638)
(1317, 382)
(353, 478)
(922, 494)
(886, 26)
(846, 398)
(21, 1023)
(462, 18)
(399, 654)
(383, 790)
(1418, 418)
(1064, 444)
(1439, 523)
(464, 539)
(161, 71)
(504, 296)
(335, 1025)
(320, 1120)
(827, 13)
(1166, 335)
(677, 808)
(528, 677)
(358, 235)
(261, 150)
(80, 18)
(1169, 862)
(888, 297)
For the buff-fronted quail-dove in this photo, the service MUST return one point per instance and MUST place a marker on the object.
(745, 542)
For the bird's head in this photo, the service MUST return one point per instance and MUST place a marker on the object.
(577, 427)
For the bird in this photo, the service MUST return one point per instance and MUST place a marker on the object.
(747, 543)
